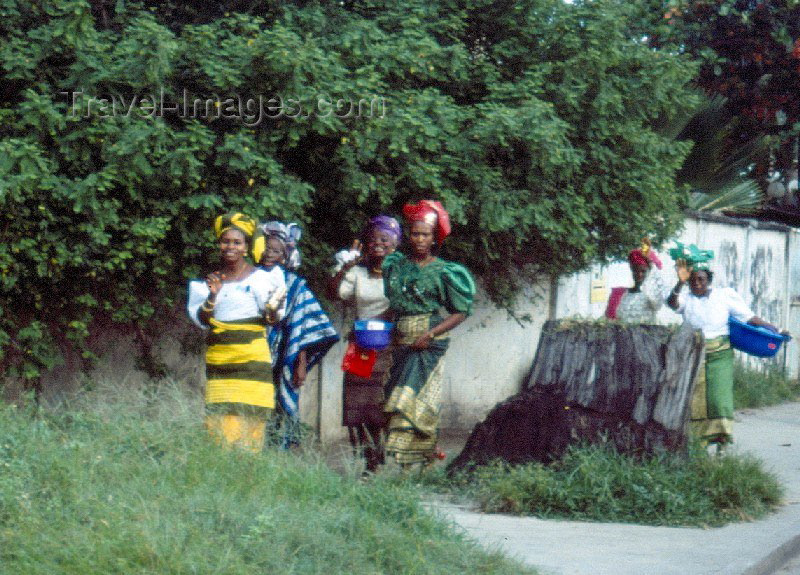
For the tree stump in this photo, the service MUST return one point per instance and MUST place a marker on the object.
(629, 385)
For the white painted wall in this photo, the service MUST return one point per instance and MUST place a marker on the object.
(489, 357)
(759, 260)
(491, 353)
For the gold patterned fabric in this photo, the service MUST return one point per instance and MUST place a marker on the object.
(415, 393)
(409, 328)
(420, 407)
(409, 447)
(245, 431)
(416, 294)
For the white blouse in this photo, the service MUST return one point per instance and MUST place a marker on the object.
(710, 313)
(238, 300)
(360, 287)
(643, 306)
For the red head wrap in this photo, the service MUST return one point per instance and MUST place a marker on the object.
(644, 257)
(431, 212)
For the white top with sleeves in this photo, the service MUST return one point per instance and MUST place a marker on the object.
(642, 306)
(365, 291)
(710, 313)
(238, 300)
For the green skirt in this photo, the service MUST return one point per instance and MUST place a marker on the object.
(414, 390)
(712, 401)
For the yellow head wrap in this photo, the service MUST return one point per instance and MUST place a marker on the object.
(259, 246)
(235, 220)
(244, 224)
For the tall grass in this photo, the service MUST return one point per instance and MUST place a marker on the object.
(759, 388)
(597, 483)
(127, 481)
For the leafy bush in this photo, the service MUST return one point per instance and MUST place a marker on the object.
(535, 123)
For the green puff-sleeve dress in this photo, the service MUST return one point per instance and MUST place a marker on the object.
(417, 294)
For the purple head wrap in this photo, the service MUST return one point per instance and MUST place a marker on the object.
(386, 224)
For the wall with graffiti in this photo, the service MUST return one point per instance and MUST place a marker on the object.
(759, 260)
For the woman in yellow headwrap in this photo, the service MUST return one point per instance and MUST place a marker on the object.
(234, 305)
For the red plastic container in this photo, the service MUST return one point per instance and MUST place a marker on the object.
(359, 361)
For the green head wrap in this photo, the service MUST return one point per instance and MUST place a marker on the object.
(701, 267)
(695, 258)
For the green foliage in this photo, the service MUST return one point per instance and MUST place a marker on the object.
(534, 122)
(597, 483)
(750, 55)
(720, 167)
(759, 71)
(768, 385)
(136, 486)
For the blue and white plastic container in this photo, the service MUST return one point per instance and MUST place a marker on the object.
(373, 334)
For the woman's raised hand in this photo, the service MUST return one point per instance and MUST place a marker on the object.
(355, 252)
(346, 259)
(214, 283)
(683, 270)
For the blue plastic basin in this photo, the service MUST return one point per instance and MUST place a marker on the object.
(754, 340)
(373, 333)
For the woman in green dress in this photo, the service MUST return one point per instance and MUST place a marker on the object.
(708, 310)
(418, 286)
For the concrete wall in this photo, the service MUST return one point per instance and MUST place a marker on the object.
(491, 353)
(489, 357)
(759, 260)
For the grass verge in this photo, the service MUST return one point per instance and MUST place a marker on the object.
(598, 484)
(134, 485)
(756, 388)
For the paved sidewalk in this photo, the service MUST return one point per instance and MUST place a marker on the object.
(751, 548)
